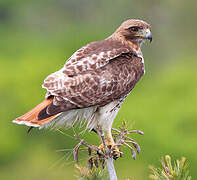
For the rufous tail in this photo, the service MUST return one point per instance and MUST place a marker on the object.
(31, 117)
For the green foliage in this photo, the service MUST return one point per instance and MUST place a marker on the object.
(177, 171)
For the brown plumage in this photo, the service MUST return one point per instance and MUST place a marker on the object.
(96, 75)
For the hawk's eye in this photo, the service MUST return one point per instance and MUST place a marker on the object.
(134, 28)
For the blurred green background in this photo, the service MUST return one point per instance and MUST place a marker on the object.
(36, 38)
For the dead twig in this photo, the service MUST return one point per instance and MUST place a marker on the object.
(104, 154)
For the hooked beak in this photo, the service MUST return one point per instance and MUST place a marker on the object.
(145, 35)
(148, 35)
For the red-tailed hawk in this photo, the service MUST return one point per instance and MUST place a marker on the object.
(94, 82)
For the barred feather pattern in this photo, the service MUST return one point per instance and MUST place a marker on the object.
(94, 82)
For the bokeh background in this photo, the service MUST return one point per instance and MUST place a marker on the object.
(36, 38)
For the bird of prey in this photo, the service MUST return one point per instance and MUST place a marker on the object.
(94, 82)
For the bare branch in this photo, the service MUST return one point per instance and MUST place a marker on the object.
(136, 146)
(137, 131)
(111, 169)
(133, 153)
(106, 153)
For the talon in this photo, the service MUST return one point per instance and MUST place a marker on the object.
(111, 146)
(115, 156)
(116, 153)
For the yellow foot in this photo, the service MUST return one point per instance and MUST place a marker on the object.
(115, 152)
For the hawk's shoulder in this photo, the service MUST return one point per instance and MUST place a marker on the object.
(80, 71)
(88, 58)
(94, 56)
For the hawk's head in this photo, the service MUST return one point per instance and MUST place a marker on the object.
(136, 31)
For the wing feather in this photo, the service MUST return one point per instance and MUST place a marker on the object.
(89, 58)
(99, 87)
(94, 75)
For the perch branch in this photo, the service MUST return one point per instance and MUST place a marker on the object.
(110, 168)
(108, 156)
(105, 155)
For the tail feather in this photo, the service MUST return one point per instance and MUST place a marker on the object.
(31, 118)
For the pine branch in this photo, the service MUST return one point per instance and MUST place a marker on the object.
(177, 171)
(105, 156)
